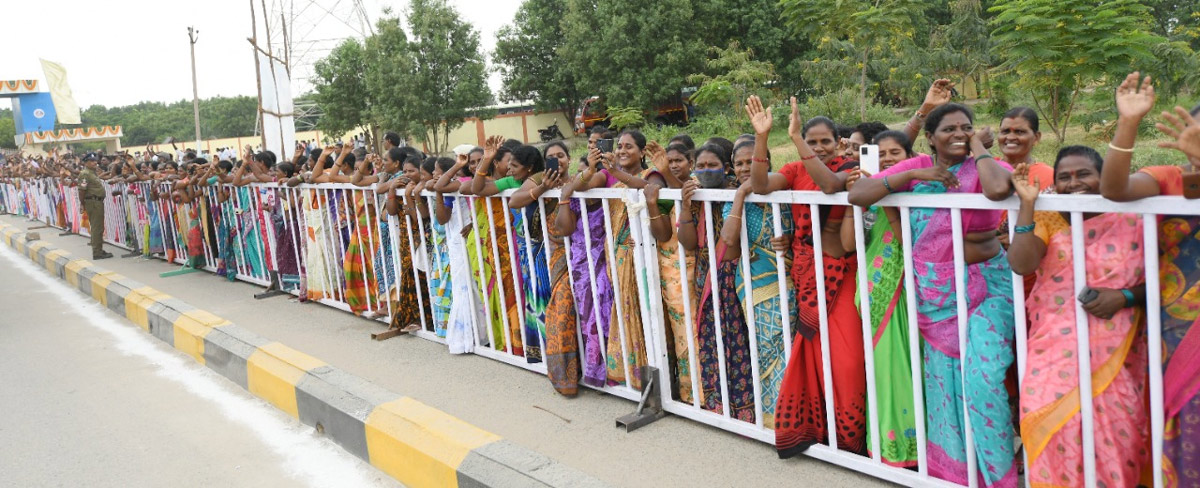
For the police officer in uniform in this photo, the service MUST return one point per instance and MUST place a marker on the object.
(92, 190)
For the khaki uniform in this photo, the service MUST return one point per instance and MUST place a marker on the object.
(92, 194)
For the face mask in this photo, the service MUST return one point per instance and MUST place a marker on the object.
(710, 178)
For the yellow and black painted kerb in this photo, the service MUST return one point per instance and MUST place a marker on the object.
(416, 444)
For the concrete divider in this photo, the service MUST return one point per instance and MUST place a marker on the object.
(416, 444)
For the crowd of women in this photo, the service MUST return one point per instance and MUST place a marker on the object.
(561, 280)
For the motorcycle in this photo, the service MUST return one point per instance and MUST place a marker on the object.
(551, 133)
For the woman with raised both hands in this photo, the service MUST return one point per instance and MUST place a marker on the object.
(960, 164)
(1050, 407)
(889, 313)
(764, 304)
(801, 406)
(1179, 271)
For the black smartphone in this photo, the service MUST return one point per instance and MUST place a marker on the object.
(551, 164)
(604, 145)
(1087, 295)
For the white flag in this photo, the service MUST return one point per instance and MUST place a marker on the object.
(60, 92)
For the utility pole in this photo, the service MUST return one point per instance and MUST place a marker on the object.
(193, 36)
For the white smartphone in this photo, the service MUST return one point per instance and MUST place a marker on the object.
(868, 158)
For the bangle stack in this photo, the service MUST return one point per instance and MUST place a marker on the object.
(1024, 229)
(887, 185)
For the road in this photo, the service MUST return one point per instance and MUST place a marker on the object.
(516, 404)
(90, 400)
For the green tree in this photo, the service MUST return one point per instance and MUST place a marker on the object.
(860, 28)
(1059, 48)
(731, 75)
(526, 56)
(389, 70)
(449, 76)
(340, 88)
(631, 53)
(8, 130)
(755, 25)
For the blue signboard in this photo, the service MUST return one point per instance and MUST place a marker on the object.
(33, 112)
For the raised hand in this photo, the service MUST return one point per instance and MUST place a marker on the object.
(1186, 131)
(855, 175)
(552, 180)
(795, 125)
(658, 157)
(1133, 102)
(760, 118)
(1026, 192)
(491, 146)
(939, 94)
(985, 137)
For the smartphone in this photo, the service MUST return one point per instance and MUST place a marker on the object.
(551, 164)
(604, 145)
(868, 158)
(1087, 295)
(1191, 185)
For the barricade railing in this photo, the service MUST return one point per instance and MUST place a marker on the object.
(337, 244)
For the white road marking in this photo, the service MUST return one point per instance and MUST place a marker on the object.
(313, 460)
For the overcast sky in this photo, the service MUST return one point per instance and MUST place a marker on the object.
(120, 52)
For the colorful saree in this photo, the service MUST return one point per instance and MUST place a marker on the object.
(494, 273)
(677, 308)
(629, 356)
(763, 303)
(889, 322)
(358, 263)
(1179, 276)
(440, 283)
(1050, 416)
(978, 373)
(317, 278)
(535, 277)
(562, 339)
(250, 232)
(718, 290)
(802, 394)
(589, 268)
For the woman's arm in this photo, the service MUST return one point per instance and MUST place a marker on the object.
(566, 220)
(484, 171)
(660, 223)
(446, 182)
(731, 230)
(361, 178)
(530, 192)
(1026, 251)
(591, 177)
(687, 220)
(995, 179)
(440, 210)
(1115, 181)
(939, 94)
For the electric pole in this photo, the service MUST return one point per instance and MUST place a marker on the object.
(193, 36)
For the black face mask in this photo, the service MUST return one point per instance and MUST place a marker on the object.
(710, 178)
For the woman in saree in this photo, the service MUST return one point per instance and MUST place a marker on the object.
(719, 318)
(320, 282)
(399, 284)
(625, 359)
(492, 241)
(247, 224)
(526, 165)
(465, 325)
(1050, 408)
(771, 312)
(674, 164)
(590, 282)
(889, 314)
(560, 335)
(439, 254)
(1179, 273)
(801, 403)
(961, 164)
(287, 229)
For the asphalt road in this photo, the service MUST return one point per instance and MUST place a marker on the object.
(88, 399)
(519, 405)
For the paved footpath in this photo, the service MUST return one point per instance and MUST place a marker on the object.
(516, 404)
(90, 400)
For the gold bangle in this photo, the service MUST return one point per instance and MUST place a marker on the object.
(659, 216)
(1121, 149)
(735, 216)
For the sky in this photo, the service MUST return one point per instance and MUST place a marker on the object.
(120, 52)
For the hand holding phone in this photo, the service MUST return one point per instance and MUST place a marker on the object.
(604, 145)
(551, 165)
(868, 158)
